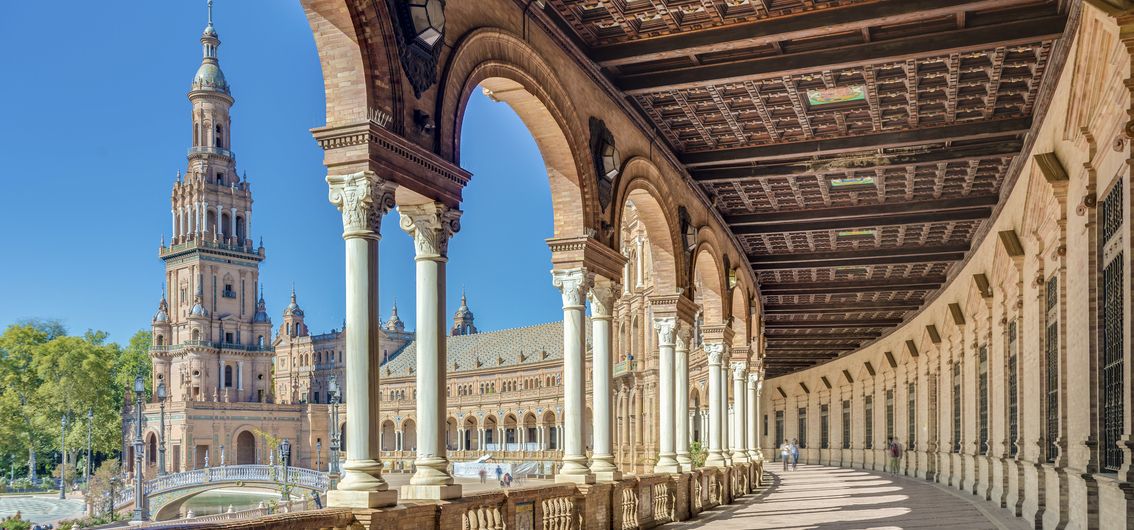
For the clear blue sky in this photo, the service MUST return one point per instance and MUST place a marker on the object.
(96, 124)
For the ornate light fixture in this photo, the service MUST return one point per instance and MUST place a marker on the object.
(420, 26)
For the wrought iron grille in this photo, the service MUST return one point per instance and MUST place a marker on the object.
(1111, 300)
(957, 407)
(983, 399)
(846, 424)
(824, 427)
(1013, 397)
(890, 413)
(911, 415)
(868, 422)
(802, 430)
(1051, 356)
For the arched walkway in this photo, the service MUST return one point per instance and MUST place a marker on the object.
(830, 498)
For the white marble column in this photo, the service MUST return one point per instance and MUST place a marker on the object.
(431, 225)
(753, 409)
(739, 416)
(574, 285)
(602, 297)
(363, 199)
(726, 431)
(204, 219)
(218, 229)
(667, 448)
(247, 226)
(640, 260)
(714, 352)
(681, 391)
(173, 224)
(232, 226)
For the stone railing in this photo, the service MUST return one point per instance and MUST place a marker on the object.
(629, 509)
(255, 513)
(296, 477)
(624, 367)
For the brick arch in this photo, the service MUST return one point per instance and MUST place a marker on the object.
(358, 54)
(638, 182)
(712, 296)
(505, 64)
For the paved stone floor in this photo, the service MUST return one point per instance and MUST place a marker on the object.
(827, 498)
(40, 508)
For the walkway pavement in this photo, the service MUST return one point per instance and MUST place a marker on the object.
(828, 498)
(41, 508)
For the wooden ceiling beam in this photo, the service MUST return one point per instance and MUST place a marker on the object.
(858, 336)
(847, 258)
(1043, 26)
(992, 150)
(772, 30)
(860, 286)
(846, 144)
(849, 307)
(843, 323)
(891, 213)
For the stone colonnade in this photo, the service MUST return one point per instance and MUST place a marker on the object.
(363, 198)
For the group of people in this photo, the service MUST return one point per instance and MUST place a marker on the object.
(789, 454)
(505, 479)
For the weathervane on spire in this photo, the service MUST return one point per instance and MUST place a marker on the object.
(210, 3)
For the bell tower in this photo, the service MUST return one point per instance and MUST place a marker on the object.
(212, 338)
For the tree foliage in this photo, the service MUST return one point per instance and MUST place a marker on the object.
(47, 375)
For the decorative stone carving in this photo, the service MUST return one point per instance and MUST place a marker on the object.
(363, 199)
(573, 284)
(420, 30)
(430, 225)
(753, 378)
(738, 370)
(714, 351)
(667, 330)
(602, 297)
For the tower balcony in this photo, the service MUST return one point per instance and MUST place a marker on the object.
(216, 151)
(243, 249)
(211, 345)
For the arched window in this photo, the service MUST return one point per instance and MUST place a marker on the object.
(260, 341)
(228, 376)
(160, 340)
(240, 228)
(220, 137)
(196, 334)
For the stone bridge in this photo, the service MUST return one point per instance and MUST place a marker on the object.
(165, 494)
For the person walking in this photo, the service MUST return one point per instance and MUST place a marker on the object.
(794, 453)
(483, 475)
(785, 453)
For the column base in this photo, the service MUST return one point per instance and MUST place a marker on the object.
(740, 458)
(575, 478)
(431, 492)
(715, 460)
(361, 499)
(608, 476)
(667, 467)
(685, 462)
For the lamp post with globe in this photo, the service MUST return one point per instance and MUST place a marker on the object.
(161, 395)
(333, 465)
(285, 451)
(139, 491)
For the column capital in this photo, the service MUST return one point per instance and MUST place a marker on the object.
(684, 333)
(753, 379)
(714, 351)
(430, 225)
(363, 199)
(574, 284)
(602, 296)
(667, 330)
(738, 369)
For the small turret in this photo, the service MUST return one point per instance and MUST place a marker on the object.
(463, 319)
(293, 325)
(395, 324)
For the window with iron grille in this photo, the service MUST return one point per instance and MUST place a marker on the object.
(1051, 357)
(824, 427)
(868, 422)
(1013, 397)
(802, 428)
(890, 413)
(957, 407)
(780, 427)
(846, 424)
(982, 399)
(911, 415)
(1110, 312)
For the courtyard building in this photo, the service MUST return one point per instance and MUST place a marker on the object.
(896, 233)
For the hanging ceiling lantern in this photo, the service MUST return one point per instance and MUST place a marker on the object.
(428, 20)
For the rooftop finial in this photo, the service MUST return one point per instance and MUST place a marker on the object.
(210, 12)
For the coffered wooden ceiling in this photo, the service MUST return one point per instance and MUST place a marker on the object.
(855, 147)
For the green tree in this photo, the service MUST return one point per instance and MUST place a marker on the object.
(19, 383)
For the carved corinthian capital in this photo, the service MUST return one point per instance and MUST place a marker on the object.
(738, 369)
(363, 199)
(602, 297)
(714, 350)
(753, 379)
(430, 225)
(667, 330)
(574, 284)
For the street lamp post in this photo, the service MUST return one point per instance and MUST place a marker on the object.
(63, 457)
(285, 450)
(318, 454)
(139, 491)
(333, 467)
(222, 455)
(161, 428)
(87, 468)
